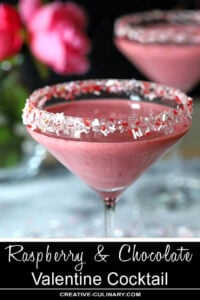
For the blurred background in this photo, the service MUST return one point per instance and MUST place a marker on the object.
(106, 61)
(30, 179)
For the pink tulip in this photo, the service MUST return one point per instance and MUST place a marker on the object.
(10, 31)
(58, 37)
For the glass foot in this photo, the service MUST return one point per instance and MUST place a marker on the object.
(180, 193)
(168, 208)
(28, 167)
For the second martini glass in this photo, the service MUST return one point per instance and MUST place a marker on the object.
(165, 47)
(107, 132)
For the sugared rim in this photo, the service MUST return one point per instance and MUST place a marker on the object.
(132, 27)
(37, 118)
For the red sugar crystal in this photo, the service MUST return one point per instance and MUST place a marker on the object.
(178, 100)
(103, 127)
(86, 122)
(148, 133)
(129, 132)
(137, 123)
(124, 124)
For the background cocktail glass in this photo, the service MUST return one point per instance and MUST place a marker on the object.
(107, 132)
(165, 47)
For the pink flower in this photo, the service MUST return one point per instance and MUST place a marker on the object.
(58, 37)
(10, 31)
(27, 9)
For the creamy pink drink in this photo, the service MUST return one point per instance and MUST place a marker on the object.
(107, 131)
(109, 163)
(164, 46)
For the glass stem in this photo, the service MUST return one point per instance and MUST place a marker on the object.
(109, 217)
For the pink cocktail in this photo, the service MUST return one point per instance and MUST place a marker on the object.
(108, 132)
(163, 45)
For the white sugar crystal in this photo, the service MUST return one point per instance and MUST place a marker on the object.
(134, 134)
(160, 127)
(104, 132)
(95, 122)
(165, 117)
(139, 133)
(110, 82)
(77, 134)
(112, 128)
(59, 117)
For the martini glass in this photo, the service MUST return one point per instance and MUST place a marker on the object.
(107, 132)
(165, 47)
